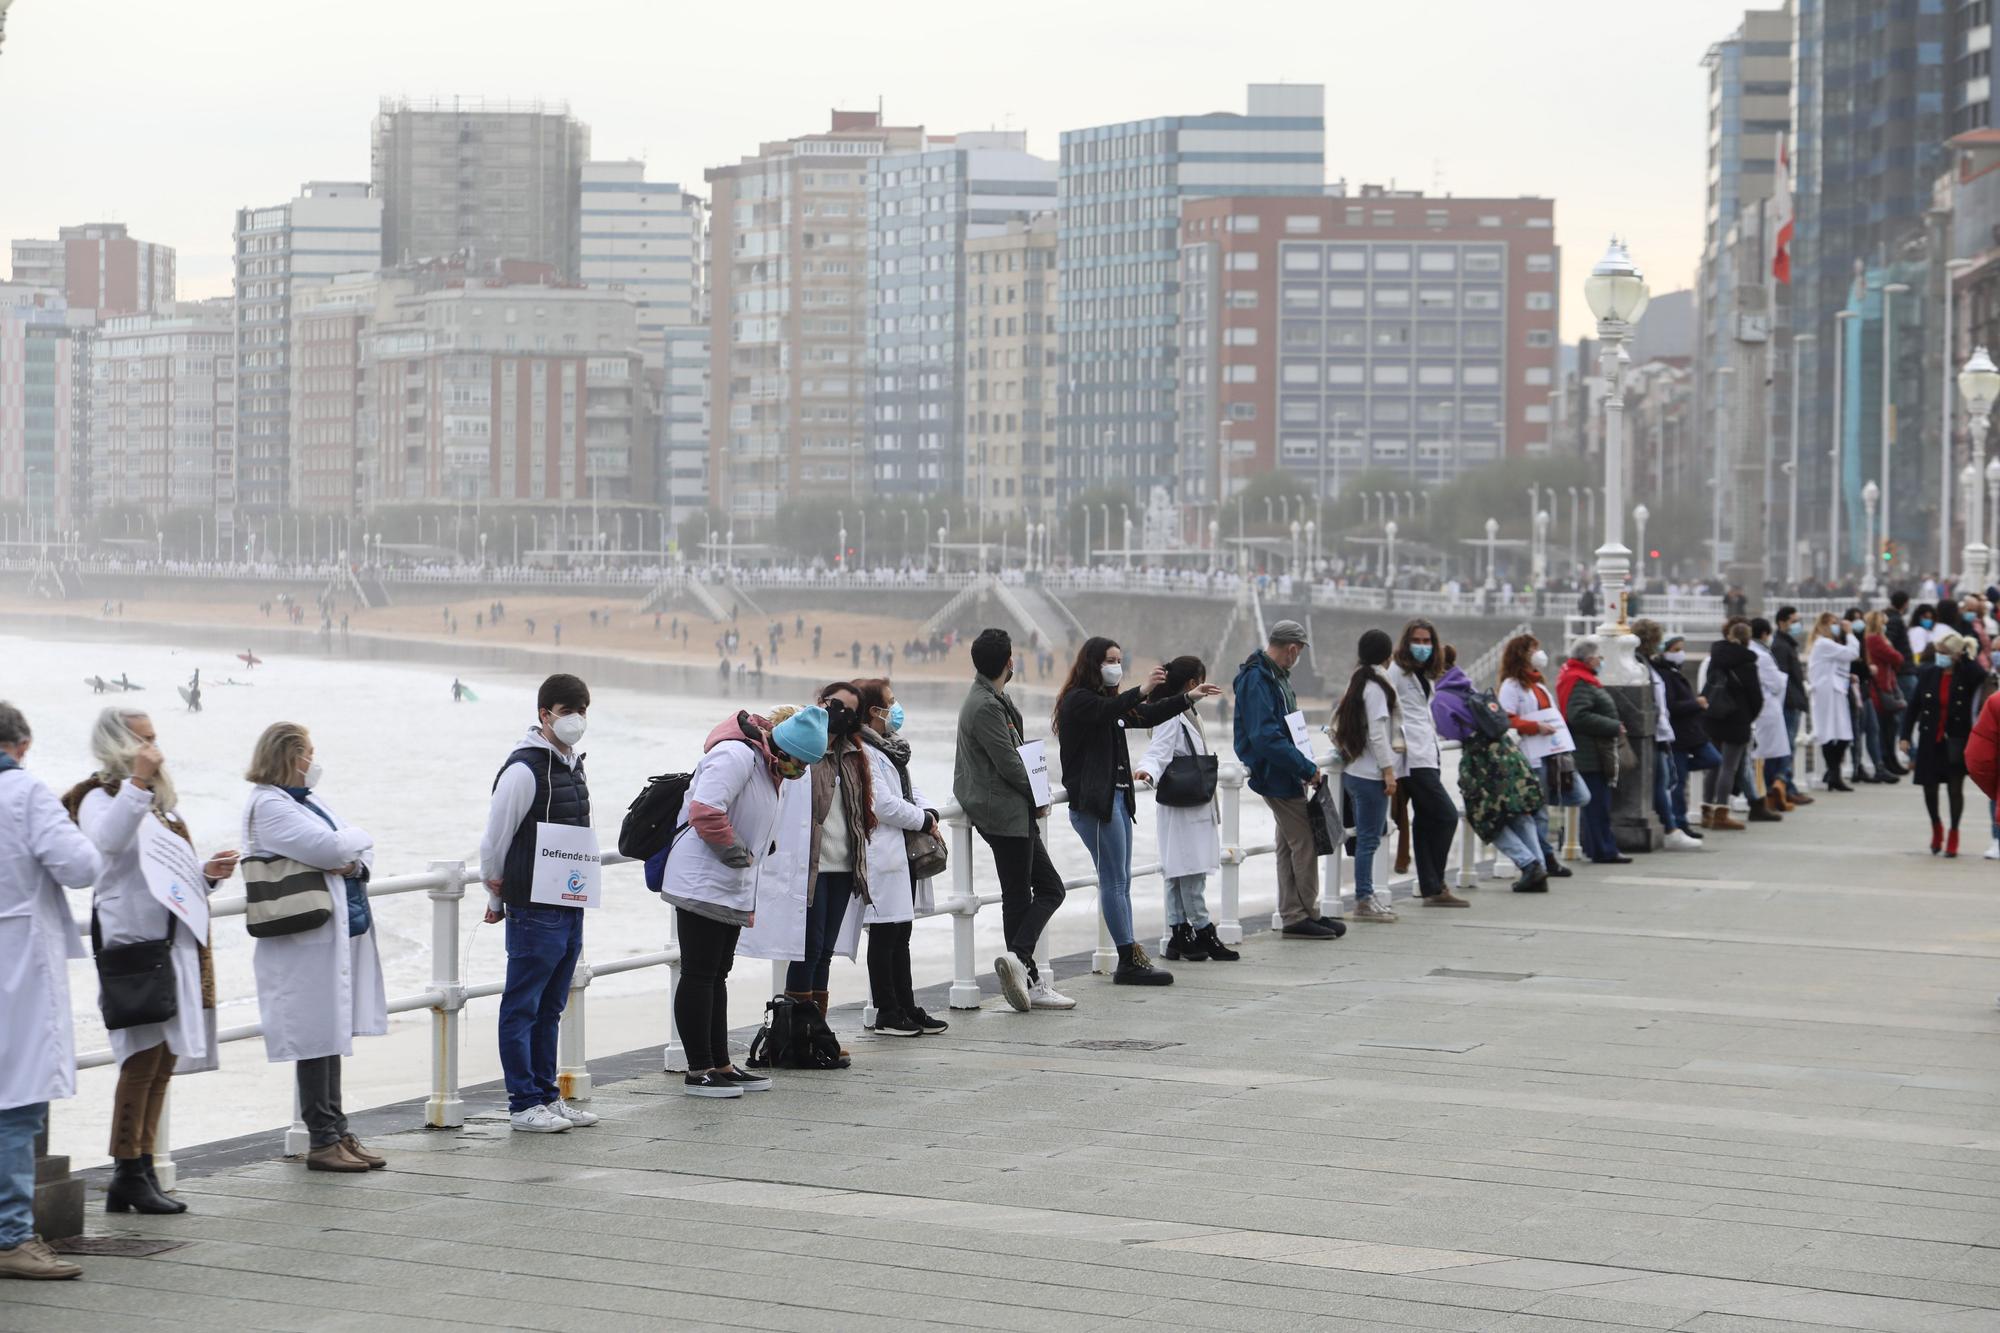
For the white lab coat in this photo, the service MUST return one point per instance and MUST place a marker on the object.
(41, 853)
(128, 913)
(778, 928)
(1190, 841)
(734, 778)
(321, 988)
(892, 896)
(1768, 738)
(1413, 709)
(1827, 680)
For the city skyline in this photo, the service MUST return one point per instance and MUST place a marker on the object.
(1636, 169)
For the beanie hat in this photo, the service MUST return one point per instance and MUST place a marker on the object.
(1948, 645)
(803, 735)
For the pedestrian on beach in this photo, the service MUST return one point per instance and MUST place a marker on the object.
(1368, 733)
(894, 897)
(991, 783)
(41, 853)
(317, 989)
(1188, 834)
(541, 783)
(131, 791)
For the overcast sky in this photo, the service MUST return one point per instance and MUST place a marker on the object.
(169, 116)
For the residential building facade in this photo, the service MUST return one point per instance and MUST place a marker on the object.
(162, 406)
(648, 239)
(1011, 369)
(331, 433)
(45, 350)
(1122, 190)
(100, 266)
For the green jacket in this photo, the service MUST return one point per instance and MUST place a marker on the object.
(988, 778)
(1593, 723)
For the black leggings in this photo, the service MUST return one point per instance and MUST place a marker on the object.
(889, 967)
(701, 1000)
(1954, 786)
(1834, 752)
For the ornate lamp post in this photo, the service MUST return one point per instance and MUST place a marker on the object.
(1978, 385)
(1993, 504)
(1492, 542)
(1639, 516)
(1389, 551)
(1617, 294)
(1541, 558)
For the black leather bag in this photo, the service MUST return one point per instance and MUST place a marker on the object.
(1189, 781)
(135, 982)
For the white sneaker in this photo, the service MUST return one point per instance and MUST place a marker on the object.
(538, 1120)
(1993, 852)
(1679, 841)
(574, 1114)
(1042, 995)
(1367, 909)
(1738, 806)
(1013, 977)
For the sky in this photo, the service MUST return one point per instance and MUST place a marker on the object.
(169, 116)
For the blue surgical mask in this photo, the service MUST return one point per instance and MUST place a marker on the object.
(1420, 652)
(1855, 625)
(1926, 622)
(1798, 629)
(895, 717)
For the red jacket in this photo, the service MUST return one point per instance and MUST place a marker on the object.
(1982, 749)
(1885, 661)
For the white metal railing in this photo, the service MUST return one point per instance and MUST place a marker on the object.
(445, 883)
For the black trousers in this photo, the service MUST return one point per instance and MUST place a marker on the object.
(889, 982)
(319, 1099)
(701, 1001)
(1433, 824)
(1031, 889)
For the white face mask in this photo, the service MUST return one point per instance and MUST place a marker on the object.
(1112, 673)
(1539, 660)
(313, 774)
(1676, 656)
(568, 729)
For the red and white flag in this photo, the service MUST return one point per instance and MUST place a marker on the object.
(1781, 201)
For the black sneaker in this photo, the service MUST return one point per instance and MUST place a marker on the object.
(1334, 924)
(891, 1024)
(1308, 930)
(710, 1084)
(927, 1025)
(748, 1080)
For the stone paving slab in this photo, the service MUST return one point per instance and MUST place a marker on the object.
(1751, 1090)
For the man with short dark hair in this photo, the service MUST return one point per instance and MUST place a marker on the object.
(990, 781)
(1284, 776)
(540, 783)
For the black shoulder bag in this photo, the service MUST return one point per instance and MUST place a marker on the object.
(1188, 780)
(135, 982)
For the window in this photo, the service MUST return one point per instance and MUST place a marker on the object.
(1438, 261)
(1537, 414)
(1243, 298)
(1541, 263)
(1301, 298)
(1343, 373)
(1392, 374)
(1302, 224)
(1482, 298)
(1346, 261)
(1436, 217)
(1301, 259)
(1239, 374)
(1300, 412)
(1243, 222)
(1537, 375)
(1385, 217)
(1242, 411)
(1434, 336)
(1298, 447)
(1344, 298)
(1301, 334)
(1240, 337)
(1391, 260)
(1436, 376)
(1243, 261)
(1390, 447)
(1301, 372)
(1437, 298)
(1392, 298)
(1482, 375)
(1541, 338)
(1541, 300)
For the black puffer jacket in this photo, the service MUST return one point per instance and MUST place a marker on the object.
(1733, 691)
(1684, 711)
(1091, 742)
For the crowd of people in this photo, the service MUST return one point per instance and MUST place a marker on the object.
(800, 830)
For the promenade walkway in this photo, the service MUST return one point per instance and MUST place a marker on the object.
(1754, 1090)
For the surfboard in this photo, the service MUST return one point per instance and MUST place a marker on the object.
(187, 695)
(249, 659)
(466, 695)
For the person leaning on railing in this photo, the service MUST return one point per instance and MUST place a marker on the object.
(41, 854)
(1284, 775)
(317, 989)
(894, 897)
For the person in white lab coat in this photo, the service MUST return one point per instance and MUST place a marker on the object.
(1189, 836)
(1770, 742)
(318, 989)
(1829, 652)
(894, 897)
(131, 790)
(41, 853)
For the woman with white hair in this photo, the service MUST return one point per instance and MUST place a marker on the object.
(128, 801)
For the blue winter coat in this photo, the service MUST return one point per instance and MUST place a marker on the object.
(1263, 742)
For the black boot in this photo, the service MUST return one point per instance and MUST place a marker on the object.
(1217, 950)
(1183, 946)
(1556, 869)
(1136, 969)
(132, 1190)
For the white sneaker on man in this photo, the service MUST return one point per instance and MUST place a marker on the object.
(537, 1120)
(1993, 852)
(1012, 974)
(1042, 995)
(576, 1115)
(1679, 841)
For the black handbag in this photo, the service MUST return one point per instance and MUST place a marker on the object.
(927, 853)
(135, 982)
(1188, 781)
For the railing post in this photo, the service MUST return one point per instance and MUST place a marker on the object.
(163, 1140)
(1229, 923)
(1572, 818)
(964, 917)
(572, 1064)
(673, 1058)
(444, 1109)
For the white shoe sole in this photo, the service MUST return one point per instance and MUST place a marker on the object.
(541, 1129)
(1013, 981)
(712, 1092)
(581, 1124)
(1054, 1006)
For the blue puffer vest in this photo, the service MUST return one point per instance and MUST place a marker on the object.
(567, 803)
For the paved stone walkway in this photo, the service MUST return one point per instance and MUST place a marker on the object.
(1747, 1091)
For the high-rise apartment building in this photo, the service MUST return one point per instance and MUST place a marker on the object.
(684, 424)
(1387, 330)
(484, 180)
(100, 266)
(1971, 101)
(510, 392)
(1122, 190)
(924, 209)
(1013, 294)
(788, 308)
(45, 349)
(331, 228)
(330, 431)
(162, 403)
(646, 238)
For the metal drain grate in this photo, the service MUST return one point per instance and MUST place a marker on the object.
(1119, 1044)
(1464, 974)
(116, 1247)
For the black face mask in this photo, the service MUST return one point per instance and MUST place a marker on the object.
(840, 719)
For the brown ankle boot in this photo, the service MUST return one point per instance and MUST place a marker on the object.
(820, 998)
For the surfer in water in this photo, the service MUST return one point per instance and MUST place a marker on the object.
(457, 690)
(194, 692)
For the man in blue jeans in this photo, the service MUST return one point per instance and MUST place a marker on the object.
(41, 852)
(542, 782)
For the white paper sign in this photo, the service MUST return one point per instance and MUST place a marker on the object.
(1301, 735)
(569, 868)
(1538, 748)
(1035, 754)
(173, 875)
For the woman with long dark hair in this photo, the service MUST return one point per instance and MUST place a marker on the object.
(843, 819)
(1531, 708)
(1940, 720)
(1413, 669)
(1091, 717)
(1368, 732)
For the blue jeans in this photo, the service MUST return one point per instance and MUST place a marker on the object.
(1370, 799)
(1663, 784)
(1518, 842)
(1186, 903)
(1598, 844)
(18, 1127)
(1678, 762)
(832, 891)
(543, 944)
(1109, 842)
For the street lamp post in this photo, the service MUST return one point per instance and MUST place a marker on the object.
(1617, 294)
(1799, 340)
(1297, 531)
(1952, 268)
(1214, 544)
(1978, 385)
(1639, 516)
(1575, 519)
(1993, 505)
(1541, 557)
(1889, 293)
(1841, 320)
(1870, 494)
(1389, 552)
(1312, 545)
